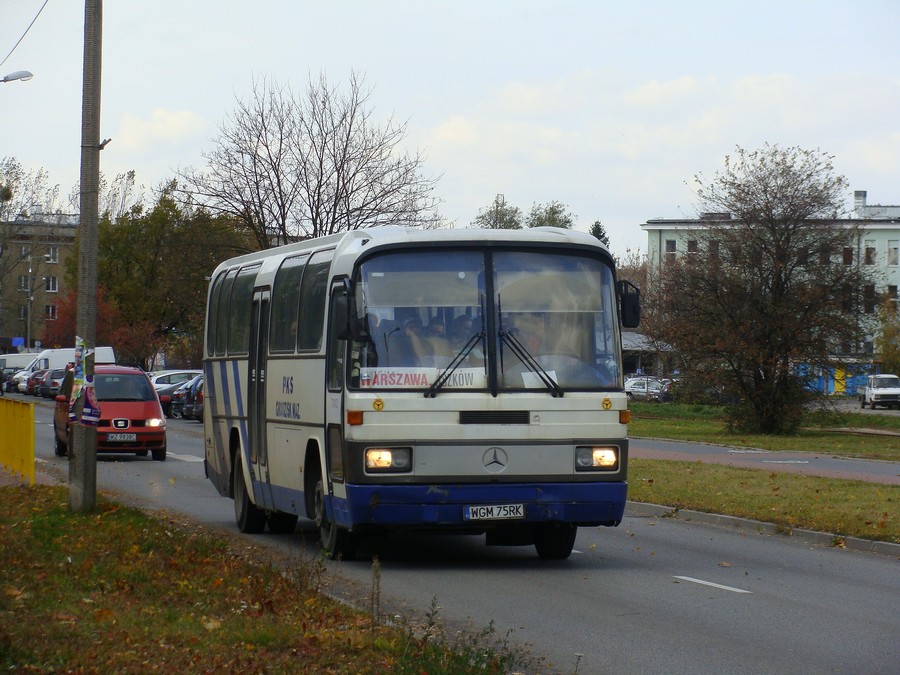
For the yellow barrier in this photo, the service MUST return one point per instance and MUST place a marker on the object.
(17, 438)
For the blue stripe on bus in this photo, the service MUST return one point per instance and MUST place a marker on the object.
(425, 505)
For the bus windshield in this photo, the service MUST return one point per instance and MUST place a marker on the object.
(509, 319)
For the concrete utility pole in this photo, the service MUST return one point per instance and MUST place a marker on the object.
(83, 449)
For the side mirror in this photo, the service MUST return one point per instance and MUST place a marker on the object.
(630, 304)
(340, 310)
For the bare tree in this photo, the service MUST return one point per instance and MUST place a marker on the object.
(25, 193)
(765, 297)
(291, 167)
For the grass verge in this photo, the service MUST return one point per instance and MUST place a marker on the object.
(843, 507)
(119, 591)
(706, 424)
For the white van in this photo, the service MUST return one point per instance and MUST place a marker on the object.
(18, 360)
(59, 358)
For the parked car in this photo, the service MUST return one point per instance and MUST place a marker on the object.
(193, 397)
(131, 417)
(176, 406)
(643, 388)
(51, 382)
(6, 378)
(32, 382)
(880, 390)
(167, 378)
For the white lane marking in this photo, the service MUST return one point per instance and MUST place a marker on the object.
(737, 451)
(710, 583)
(184, 458)
(785, 461)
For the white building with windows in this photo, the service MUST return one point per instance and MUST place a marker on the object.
(877, 247)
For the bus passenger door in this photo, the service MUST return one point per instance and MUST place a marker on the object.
(334, 403)
(256, 397)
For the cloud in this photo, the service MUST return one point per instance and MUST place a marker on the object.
(163, 127)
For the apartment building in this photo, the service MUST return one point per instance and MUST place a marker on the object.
(877, 248)
(33, 253)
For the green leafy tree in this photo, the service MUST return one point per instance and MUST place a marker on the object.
(597, 230)
(552, 214)
(499, 216)
(153, 267)
(761, 299)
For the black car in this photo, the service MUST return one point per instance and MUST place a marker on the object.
(179, 396)
(193, 400)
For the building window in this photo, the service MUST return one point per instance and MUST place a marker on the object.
(869, 299)
(23, 282)
(825, 256)
(848, 255)
(52, 285)
(847, 299)
(893, 257)
(50, 312)
(23, 312)
(892, 298)
(670, 250)
(869, 347)
(714, 250)
(52, 254)
(870, 252)
(693, 247)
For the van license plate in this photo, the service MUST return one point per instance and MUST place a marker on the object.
(123, 438)
(495, 512)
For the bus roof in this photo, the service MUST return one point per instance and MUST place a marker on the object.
(353, 241)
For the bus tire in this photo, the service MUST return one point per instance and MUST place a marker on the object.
(337, 542)
(554, 541)
(280, 522)
(250, 519)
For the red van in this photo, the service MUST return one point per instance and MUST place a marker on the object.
(131, 417)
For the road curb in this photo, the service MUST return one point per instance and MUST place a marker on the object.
(825, 539)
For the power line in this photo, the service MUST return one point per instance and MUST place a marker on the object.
(25, 33)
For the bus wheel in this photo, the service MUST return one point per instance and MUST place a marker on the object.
(281, 522)
(336, 541)
(250, 519)
(554, 541)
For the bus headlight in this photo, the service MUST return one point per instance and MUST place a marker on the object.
(596, 458)
(388, 460)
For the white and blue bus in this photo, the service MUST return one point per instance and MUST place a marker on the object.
(446, 380)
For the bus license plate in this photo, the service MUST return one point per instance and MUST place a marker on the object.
(124, 438)
(495, 512)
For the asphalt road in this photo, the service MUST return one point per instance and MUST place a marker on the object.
(651, 596)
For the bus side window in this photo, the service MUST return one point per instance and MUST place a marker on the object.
(313, 292)
(286, 305)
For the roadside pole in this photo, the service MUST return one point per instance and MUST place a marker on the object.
(83, 450)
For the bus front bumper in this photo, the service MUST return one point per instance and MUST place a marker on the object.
(440, 506)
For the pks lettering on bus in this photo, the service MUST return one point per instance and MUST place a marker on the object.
(287, 384)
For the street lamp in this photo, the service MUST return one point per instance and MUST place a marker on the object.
(23, 75)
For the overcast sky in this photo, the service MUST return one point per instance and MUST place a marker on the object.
(610, 108)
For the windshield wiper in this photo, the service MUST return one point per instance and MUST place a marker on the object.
(461, 355)
(530, 362)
